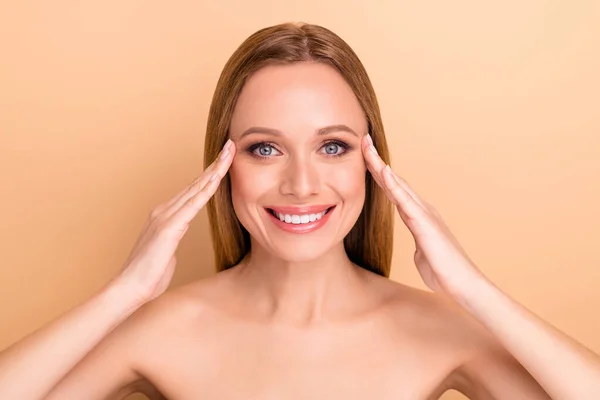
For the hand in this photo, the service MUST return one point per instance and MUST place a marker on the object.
(150, 266)
(441, 261)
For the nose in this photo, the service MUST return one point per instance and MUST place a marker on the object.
(300, 178)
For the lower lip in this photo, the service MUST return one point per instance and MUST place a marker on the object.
(301, 228)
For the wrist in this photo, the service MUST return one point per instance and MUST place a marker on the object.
(473, 292)
(117, 292)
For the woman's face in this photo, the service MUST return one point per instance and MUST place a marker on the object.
(297, 130)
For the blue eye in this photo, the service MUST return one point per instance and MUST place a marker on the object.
(332, 148)
(335, 148)
(265, 150)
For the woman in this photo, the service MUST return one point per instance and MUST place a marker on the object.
(298, 191)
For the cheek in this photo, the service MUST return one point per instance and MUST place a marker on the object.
(245, 190)
(348, 181)
(248, 181)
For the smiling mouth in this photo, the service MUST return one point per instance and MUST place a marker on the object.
(299, 218)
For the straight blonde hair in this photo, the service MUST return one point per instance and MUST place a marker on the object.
(369, 242)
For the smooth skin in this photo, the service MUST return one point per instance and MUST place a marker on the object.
(478, 367)
(240, 334)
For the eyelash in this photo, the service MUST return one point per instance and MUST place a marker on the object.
(258, 145)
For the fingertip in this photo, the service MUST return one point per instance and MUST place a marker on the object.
(364, 142)
(373, 150)
(232, 151)
(232, 145)
(224, 154)
(368, 147)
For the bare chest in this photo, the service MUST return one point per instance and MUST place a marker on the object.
(332, 365)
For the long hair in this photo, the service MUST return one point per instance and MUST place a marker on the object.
(369, 242)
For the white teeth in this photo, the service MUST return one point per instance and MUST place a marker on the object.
(300, 219)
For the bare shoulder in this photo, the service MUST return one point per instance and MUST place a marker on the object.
(440, 319)
(428, 314)
(117, 366)
(180, 310)
(199, 299)
(194, 310)
(482, 367)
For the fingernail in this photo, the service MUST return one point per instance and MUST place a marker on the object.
(370, 139)
(227, 144)
(373, 149)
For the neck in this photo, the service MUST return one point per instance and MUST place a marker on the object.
(301, 293)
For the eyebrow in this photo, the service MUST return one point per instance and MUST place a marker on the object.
(321, 131)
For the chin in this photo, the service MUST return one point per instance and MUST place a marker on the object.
(300, 252)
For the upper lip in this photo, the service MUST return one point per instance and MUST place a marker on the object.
(300, 210)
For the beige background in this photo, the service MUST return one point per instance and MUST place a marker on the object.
(491, 109)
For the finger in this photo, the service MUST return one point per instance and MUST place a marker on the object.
(201, 180)
(374, 163)
(376, 166)
(404, 185)
(405, 202)
(184, 215)
(219, 167)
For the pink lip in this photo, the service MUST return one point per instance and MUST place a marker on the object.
(301, 228)
(301, 210)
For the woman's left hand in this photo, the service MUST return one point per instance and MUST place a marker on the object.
(441, 261)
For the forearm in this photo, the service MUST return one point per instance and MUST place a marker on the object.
(30, 368)
(563, 367)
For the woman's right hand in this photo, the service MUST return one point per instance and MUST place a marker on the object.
(149, 268)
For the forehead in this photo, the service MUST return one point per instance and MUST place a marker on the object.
(297, 98)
